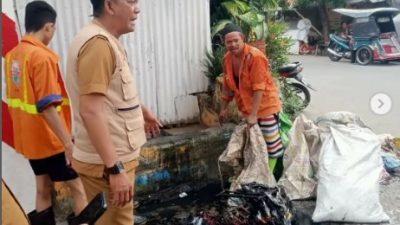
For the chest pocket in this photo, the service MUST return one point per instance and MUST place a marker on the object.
(128, 87)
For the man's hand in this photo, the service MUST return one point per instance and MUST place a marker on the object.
(55, 123)
(68, 153)
(151, 123)
(222, 115)
(121, 189)
(251, 120)
(152, 126)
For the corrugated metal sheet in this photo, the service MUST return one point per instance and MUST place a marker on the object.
(166, 51)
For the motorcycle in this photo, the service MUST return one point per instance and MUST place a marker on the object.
(373, 37)
(291, 73)
(339, 48)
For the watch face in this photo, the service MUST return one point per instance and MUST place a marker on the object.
(117, 168)
(120, 166)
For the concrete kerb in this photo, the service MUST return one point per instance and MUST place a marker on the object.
(172, 160)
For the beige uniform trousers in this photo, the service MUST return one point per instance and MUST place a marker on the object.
(94, 182)
(12, 213)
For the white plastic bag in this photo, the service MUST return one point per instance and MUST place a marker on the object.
(349, 168)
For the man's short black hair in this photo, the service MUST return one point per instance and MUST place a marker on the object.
(230, 27)
(98, 6)
(37, 14)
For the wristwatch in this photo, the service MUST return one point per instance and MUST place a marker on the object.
(116, 169)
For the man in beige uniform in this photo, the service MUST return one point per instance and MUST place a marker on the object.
(109, 120)
(11, 211)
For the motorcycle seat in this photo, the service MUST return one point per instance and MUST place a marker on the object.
(289, 67)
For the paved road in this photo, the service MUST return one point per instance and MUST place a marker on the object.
(343, 86)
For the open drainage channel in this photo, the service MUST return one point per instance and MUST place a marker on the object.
(205, 204)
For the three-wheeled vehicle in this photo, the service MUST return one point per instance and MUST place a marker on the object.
(373, 37)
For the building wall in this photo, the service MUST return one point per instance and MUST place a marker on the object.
(166, 51)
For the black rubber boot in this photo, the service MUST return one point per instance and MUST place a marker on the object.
(45, 217)
(91, 213)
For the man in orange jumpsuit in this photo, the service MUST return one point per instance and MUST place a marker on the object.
(248, 80)
(40, 112)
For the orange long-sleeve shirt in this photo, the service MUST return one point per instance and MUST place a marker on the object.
(254, 75)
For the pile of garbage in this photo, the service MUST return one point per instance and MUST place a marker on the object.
(253, 204)
(337, 160)
(391, 156)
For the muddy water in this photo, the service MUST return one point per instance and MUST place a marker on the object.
(175, 207)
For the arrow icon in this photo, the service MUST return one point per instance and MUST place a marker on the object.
(381, 103)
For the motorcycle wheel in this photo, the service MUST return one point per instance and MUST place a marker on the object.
(364, 55)
(333, 57)
(301, 92)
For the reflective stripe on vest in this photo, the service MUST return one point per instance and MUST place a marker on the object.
(8, 75)
(16, 102)
(29, 108)
(24, 79)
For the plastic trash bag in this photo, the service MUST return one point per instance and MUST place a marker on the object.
(255, 204)
(285, 125)
(350, 165)
(391, 163)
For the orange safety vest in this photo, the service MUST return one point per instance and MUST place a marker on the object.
(32, 74)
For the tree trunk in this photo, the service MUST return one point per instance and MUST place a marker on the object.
(323, 14)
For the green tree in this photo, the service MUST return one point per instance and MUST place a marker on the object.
(323, 7)
(250, 15)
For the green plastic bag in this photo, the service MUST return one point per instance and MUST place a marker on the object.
(285, 125)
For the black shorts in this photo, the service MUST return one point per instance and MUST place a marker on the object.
(54, 166)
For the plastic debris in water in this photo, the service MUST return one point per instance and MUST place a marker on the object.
(183, 194)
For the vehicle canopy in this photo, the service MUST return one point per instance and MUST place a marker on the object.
(369, 23)
(396, 21)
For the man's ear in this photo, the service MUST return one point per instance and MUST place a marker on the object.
(109, 7)
(48, 27)
(243, 37)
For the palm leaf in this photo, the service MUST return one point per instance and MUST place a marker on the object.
(232, 8)
(250, 18)
(261, 31)
(242, 5)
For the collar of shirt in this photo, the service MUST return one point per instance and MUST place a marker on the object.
(246, 50)
(34, 41)
(228, 59)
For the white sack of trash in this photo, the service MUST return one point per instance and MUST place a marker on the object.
(350, 165)
(346, 172)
